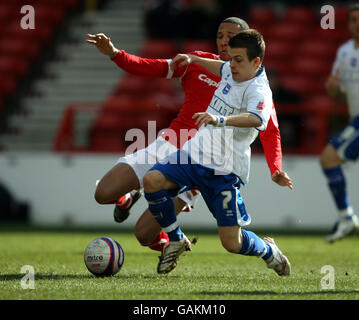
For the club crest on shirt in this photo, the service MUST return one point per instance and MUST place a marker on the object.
(260, 105)
(353, 62)
(226, 88)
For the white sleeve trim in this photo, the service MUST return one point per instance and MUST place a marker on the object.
(170, 72)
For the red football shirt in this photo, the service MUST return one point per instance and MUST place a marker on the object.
(199, 86)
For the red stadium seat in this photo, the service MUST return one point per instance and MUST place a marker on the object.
(317, 48)
(199, 45)
(20, 48)
(117, 126)
(8, 13)
(300, 15)
(49, 14)
(8, 85)
(15, 67)
(304, 85)
(103, 142)
(276, 64)
(154, 48)
(152, 107)
(130, 85)
(337, 36)
(66, 4)
(323, 100)
(120, 104)
(310, 67)
(42, 33)
(341, 15)
(157, 103)
(278, 49)
(262, 16)
(107, 134)
(290, 32)
(140, 86)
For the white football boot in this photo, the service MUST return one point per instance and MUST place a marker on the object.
(171, 253)
(344, 227)
(278, 261)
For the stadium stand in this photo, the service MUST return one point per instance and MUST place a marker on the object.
(298, 49)
(23, 49)
(69, 72)
(302, 53)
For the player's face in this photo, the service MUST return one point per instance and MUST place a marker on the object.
(353, 24)
(242, 68)
(225, 31)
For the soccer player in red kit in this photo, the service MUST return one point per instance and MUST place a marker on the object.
(122, 183)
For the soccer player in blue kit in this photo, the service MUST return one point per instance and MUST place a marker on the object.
(217, 159)
(343, 86)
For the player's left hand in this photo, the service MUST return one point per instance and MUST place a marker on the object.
(181, 60)
(204, 118)
(282, 179)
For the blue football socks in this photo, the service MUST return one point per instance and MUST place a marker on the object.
(252, 245)
(337, 186)
(162, 209)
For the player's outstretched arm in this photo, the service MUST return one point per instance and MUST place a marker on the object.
(213, 66)
(281, 178)
(130, 63)
(243, 120)
(103, 44)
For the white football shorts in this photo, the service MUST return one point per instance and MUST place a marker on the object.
(143, 160)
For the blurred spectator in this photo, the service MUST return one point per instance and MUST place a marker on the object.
(163, 18)
(289, 124)
(190, 19)
(200, 20)
(281, 94)
(234, 8)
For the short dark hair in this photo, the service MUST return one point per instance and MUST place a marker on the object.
(242, 23)
(252, 40)
(353, 7)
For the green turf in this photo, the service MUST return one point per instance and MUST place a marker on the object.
(208, 272)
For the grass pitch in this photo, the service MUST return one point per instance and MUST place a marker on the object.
(206, 273)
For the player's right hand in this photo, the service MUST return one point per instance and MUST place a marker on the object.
(282, 179)
(204, 118)
(103, 44)
(332, 84)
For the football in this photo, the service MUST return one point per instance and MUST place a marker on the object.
(104, 257)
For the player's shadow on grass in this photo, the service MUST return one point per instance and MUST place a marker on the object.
(39, 276)
(274, 293)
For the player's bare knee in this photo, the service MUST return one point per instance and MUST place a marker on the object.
(99, 196)
(103, 195)
(152, 181)
(329, 158)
